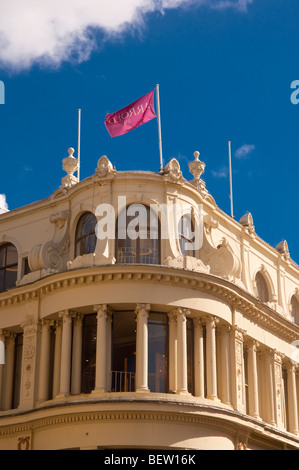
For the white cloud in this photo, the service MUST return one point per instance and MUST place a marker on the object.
(222, 173)
(244, 151)
(50, 32)
(3, 204)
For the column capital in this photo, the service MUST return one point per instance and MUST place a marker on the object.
(139, 307)
(210, 320)
(180, 313)
(252, 344)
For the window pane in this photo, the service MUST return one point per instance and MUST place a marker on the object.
(89, 352)
(2, 280)
(17, 370)
(85, 242)
(11, 255)
(2, 256)
(158, 352)
(11, 277)
(123, 352)
(142, 244)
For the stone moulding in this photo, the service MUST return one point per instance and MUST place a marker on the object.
(228, 292)
(194, 413)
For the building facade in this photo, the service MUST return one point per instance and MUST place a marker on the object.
(134, 313)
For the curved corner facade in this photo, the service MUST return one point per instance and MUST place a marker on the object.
(134, 313)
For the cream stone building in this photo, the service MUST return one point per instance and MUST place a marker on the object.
(149, 342)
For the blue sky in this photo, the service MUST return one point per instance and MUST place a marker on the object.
(224, 67)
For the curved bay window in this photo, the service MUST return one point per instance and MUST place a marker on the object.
(8, 266)
(85, 241)
(186, 235)
(138, 235)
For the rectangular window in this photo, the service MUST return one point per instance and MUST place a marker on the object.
(190, 355)
(123, 352)
(17, 370)
(158, 352)
(89, 343)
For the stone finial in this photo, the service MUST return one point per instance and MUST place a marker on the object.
(172, 171)
(247, 222)
(104, 167)
(69, 164)
(197, 168)
(283, 248)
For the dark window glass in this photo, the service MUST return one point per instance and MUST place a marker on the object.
(186, 235)
(89, 344)
(190, 355)
(138, 242)
(17, 370)
(8, 266)
(85, 242)
(158, 352)
(123, 352)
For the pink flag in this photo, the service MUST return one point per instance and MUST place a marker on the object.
(132, 116)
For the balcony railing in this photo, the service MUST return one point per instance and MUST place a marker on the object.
(122, 381)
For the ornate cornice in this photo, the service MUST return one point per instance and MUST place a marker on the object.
(226, 291)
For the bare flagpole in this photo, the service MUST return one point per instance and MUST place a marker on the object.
(230, 178)
(79, 143)
(159, 128)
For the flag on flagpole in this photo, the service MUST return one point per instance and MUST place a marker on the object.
(132, 116)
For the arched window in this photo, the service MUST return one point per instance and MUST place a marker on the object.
(262, 290)
(295, 309)
(85, 241)
(186, 235)
(138, 235)
(8, 266)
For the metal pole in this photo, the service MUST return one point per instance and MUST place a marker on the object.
(230, 178)
(79, 143)
(159, 128)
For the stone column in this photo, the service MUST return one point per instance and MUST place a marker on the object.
(199, 370)
(172, 368)
(182, 378)
(253, 394)
(8, 370)
(292, 398)
(44, 364)
(66, 354)
(141, 383)
(57, 358)
(225, 363)
(211, 358)
(101, 354)
(77, 355)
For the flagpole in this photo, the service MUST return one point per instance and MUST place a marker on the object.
(159, 128)
(79, 143)
(230, 178)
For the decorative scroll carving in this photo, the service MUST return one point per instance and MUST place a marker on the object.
(247, 222)
(52, 256)
(283, 249)
(104, 168)
(187, 262)
(172, 172)
(221, 260)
